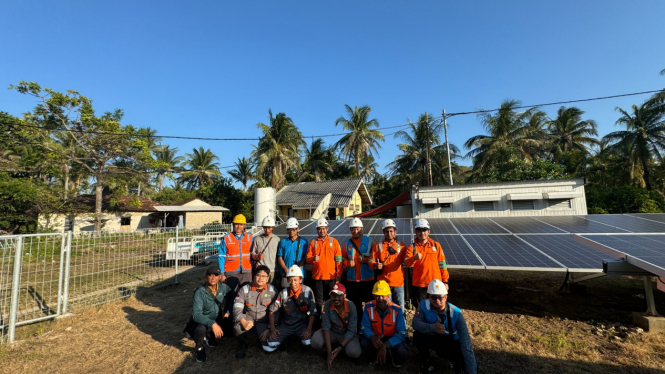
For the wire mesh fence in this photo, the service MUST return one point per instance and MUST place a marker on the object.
(46, 275)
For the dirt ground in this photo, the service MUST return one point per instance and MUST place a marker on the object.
(519, 323)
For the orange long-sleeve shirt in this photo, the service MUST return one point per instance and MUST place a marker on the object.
(329, 265)
(432, 264)
(392, 262)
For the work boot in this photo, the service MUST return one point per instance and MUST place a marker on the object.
(201, 355)
(210, 341)
(241, 351)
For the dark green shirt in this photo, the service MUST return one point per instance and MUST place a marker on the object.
(205, 310)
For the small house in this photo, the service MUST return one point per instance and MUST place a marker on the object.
(333, 199)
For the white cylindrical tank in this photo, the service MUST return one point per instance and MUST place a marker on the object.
(265, 203)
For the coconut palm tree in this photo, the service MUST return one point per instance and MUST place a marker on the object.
(362, 139)
(318, 162)
(511, 135)
(166, 163)
(202, 166)
(644, 135)
(568, 132)
(278, 149)
(243, 173)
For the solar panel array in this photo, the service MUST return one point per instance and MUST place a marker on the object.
(525, 243)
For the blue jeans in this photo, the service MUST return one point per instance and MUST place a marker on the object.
(397, 294)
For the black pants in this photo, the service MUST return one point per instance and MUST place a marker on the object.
(200, 331)
(241, 333)
(322, 292)
(396, 354)
(444, 346)
(419, 294)
(234, 281)
(359, 292)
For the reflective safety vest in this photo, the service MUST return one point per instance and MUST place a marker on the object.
(237, 252)
(386, 326)
(431, 316)
(365, 249)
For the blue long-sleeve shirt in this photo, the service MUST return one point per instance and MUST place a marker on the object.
(400, 328)
(287, 249)
(221, 258)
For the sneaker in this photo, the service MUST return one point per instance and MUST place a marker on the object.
(201, 355)
(426, 368)
(210, 342)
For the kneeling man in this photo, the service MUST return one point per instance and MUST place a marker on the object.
(297, 311)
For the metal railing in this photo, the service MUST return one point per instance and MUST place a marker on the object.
(43, 276)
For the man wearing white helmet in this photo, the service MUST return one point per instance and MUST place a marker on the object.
(297, 311)
(440, 325)
(357, 258)
(427, 259)
(390, 255)
(291, 251)
(325, 255)
(264, 247)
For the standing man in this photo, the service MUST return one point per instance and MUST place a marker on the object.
(212, 303)
(390, 255)
(427, 260)
(440, 325)
(297, 310)
(383, 329)
(264, 247)
(358, 261)
(291, 251)
(325, 255)
(250, 310)
(339, 326)
(234, 255)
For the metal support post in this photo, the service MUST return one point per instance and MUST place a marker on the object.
(648, 293)
(68, 261)
(429, 161)
(16, 280)
(445, 129)
(177, 248)
(61, 274)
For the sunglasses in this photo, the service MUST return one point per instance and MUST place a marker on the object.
(441, 297)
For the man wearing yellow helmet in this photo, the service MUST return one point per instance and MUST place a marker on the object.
(383, 329)
(234, 255)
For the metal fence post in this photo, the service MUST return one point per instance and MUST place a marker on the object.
(177, 247)
(61, 274)
(68, 260)
(16, 280)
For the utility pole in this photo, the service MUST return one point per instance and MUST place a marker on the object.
(445, 129)
(429, 161)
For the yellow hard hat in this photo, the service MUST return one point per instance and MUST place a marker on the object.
(381, 288)
(240, 219)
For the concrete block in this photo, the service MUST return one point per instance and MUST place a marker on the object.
(649, 323)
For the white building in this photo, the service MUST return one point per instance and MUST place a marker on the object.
(562, 197)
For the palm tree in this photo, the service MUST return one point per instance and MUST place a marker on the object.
(568, 132)
(511, 135)
(278, 149)
(166, 163)
(202, 166)
(644, 135)
(362, 140)
(243, 173)
(318, 162)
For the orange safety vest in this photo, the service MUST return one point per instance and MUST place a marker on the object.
(386, 326)
(237, 252)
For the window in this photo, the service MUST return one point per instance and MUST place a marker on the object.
(125, 221)
(446, 205)
(484, 206)
(523, 205)
(559, 203)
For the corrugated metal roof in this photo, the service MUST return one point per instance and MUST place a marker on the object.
(305, 194)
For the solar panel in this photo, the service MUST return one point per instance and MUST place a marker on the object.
(525, 225)
(635, 245)
(477, 226)
(332, 224)
(280, 230)
(659, 217)
(568, 251)
(440, 226)
(307, 228)
(573, 224)
(456, 251)
(403, 226)
(624, 222)
(342, 226)
(507, 251)
(369, 225)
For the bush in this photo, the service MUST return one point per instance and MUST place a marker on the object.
(625, 199)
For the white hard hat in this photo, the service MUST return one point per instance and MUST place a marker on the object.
(422, 224)
(294, 271)
(356, 222)
(292, 223)
(436, 287)
(268, 222)
(321, 222)
(388, 223)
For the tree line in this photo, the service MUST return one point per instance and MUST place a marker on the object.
(62, 148)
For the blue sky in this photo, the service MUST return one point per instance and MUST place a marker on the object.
(214, 68)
